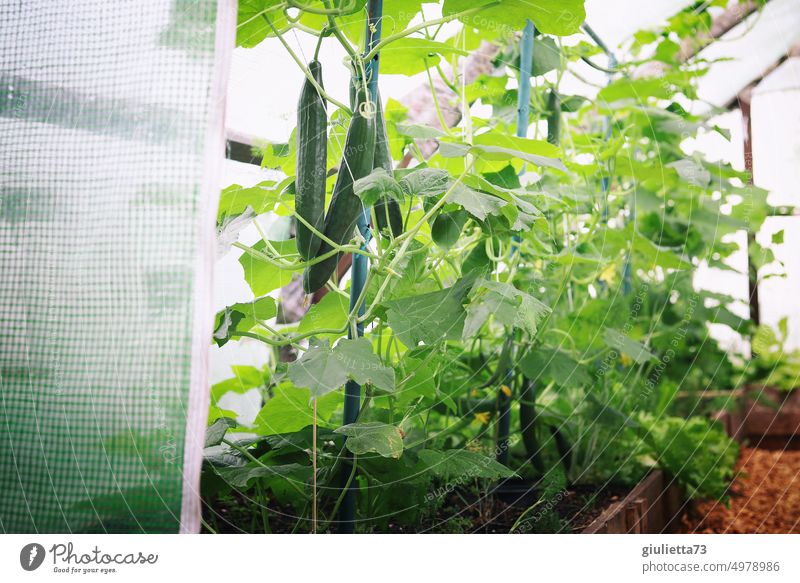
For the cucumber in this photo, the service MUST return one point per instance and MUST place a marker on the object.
(312, 154)
(345, 207)
(554, 118)
(387, 209)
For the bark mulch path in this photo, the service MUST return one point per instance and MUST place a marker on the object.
(764, 498)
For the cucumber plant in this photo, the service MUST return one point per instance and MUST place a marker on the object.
(547, 283)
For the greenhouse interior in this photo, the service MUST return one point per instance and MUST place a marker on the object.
(364, 266)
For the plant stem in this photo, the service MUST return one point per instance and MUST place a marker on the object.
(322, 93)
(404, 33)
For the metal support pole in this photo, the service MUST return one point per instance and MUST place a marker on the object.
(523, 114)
(752, 271)
(358, 276)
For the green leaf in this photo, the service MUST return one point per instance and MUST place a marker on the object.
(446, 228)
(217, 430)
(242, 476)
(692, 172)
(616, 240)
(289, 410)
(242, 317)
(323, 369)
(506, 304)
(330, 313)
(546, 56)
(252, 27)
(459, 463)
(431, 317)
(490, 151)
(373, 437)
(551, 364)
(477, 261)
(363, 365)
(263, 197)
(262, 276)
(419, 131)
(420, 381)
(412, 55)
(479, 204)
(397, 14)
(425, 182)
(375, 185)
(319, 370)
(638, 89)
(245, 378)
(506, 17)
(637, 351)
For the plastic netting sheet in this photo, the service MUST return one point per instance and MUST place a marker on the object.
(109, 119)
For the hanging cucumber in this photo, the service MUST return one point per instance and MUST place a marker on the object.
(387, 209)
(554, 117)
(312, 152)
(346, 207)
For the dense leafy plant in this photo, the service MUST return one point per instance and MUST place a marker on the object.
(544, 280)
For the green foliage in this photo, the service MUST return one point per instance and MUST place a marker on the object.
(695, 451)
(570, 268)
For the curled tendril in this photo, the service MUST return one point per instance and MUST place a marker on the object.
(367, 109)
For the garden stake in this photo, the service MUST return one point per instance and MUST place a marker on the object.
(352, 390)
(523, 112)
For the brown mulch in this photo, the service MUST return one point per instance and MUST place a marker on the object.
(764, 498)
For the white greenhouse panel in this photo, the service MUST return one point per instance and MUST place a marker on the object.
(750, 48)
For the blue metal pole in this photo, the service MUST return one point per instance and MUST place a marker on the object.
(523, 114)
(358, 277)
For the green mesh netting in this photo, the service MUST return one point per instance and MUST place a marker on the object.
(105, 113)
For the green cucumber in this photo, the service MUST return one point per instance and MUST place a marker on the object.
(387, 209)
(312, 154)
(345, 207)
(554, 117)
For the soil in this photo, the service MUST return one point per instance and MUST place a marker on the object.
(567, 511)
(764, 497)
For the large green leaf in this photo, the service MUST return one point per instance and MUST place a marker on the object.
(330, 313)
(446, 228)
(242, 476)
(323, 369)
(242, 317)
(217, 430)
(490, 151)
(411, 55)
(252, 27)
(289, 410)
(263, 276)
(375, 185)
(245, 378)
(425, 182)
(637, 351)
(262, 197)
(431, 317)
(546, 56)
(459, 463)
(373, 437)
(505, 17)
(551, 364)
(506, 304)
(479, 204)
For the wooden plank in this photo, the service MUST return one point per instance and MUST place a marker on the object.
(650, 507)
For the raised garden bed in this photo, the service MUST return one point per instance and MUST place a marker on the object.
(653, 506)
(766, 419)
